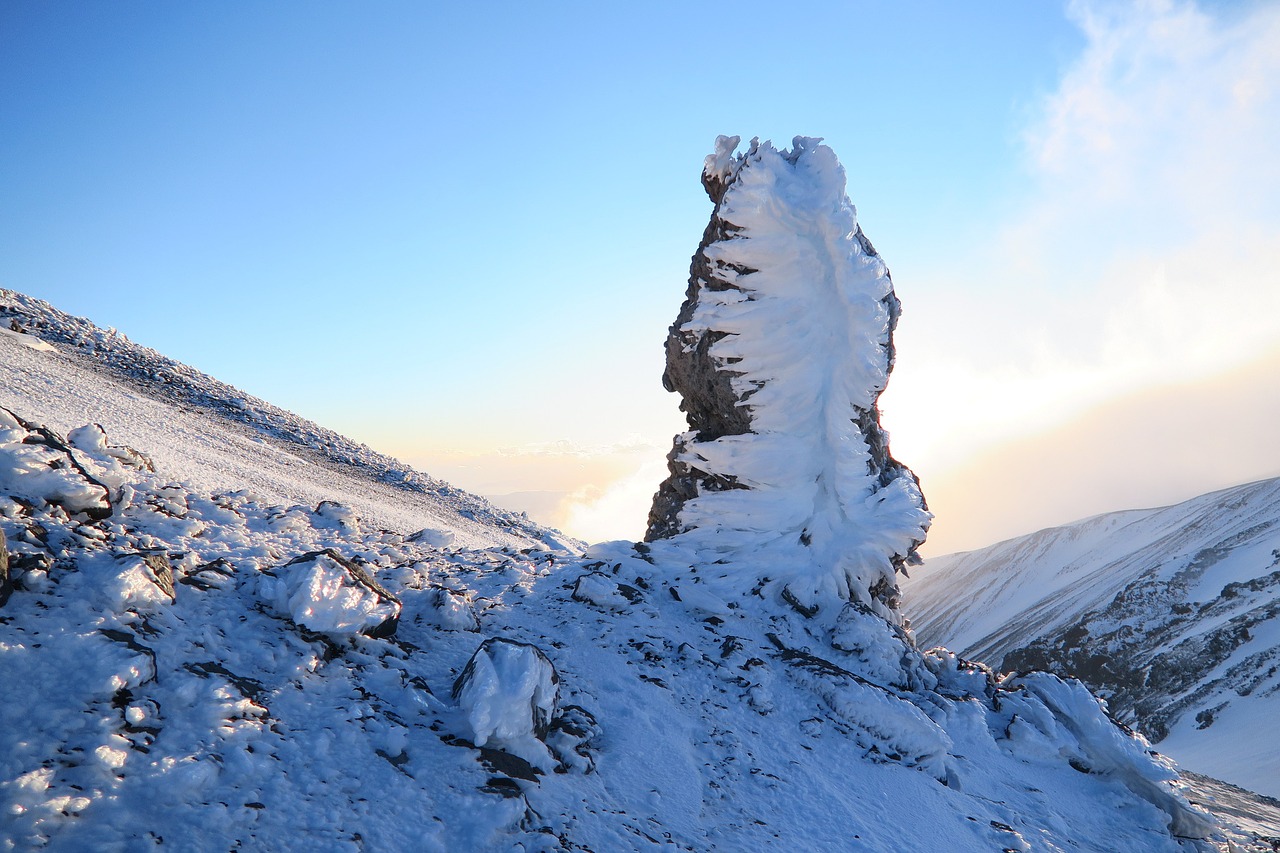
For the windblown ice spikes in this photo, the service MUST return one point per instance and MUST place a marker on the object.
(781, 350)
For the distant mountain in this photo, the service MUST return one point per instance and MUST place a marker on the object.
(1169, 614)
(223, 627)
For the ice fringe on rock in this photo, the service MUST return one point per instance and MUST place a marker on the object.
(780, 352)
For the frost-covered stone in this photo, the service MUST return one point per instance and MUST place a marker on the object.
(603, 591)
(780, 352)
(508, 691)
(430, 536)
(878, 652)
(92, 439)
(571, 737)
(36, 464)
(325, 592)
(335, 516)
(1103, 747)
(450, 610)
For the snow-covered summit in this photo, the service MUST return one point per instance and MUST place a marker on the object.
(780, 352)
(204, 667)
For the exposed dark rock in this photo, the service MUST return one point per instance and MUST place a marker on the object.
(249, 688)
(211, 575)
(6, 587)
(161, 571)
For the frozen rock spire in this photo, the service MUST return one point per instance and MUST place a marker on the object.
(780, 352)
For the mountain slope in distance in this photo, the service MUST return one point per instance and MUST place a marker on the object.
(1169, 614)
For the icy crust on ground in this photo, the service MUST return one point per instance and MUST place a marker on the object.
(157, 695)
(799, 312)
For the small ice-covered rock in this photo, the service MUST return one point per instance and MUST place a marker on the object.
(432, 537)
(141, 582)
(603, 591)
(36, 465)
(92, 439)
(335, 516)
(450, 610)
(324, 592)
(508, 691)
(877, 650)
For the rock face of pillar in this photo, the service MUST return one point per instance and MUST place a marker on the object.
(780, 352)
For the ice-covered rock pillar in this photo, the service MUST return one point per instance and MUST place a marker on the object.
(780, 352)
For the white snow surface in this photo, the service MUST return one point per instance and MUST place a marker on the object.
(207, 720)
(800, 318)
(1164, 589)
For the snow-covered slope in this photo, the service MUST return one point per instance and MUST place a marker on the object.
(207, 671)
(209, 435)
(204, 664)
(1171, 614)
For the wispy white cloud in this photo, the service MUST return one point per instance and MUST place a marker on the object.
(1145, 252)
(1145, 248)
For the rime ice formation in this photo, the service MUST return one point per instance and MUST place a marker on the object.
(780, 352)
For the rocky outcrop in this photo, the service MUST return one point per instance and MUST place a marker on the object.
(780, 351)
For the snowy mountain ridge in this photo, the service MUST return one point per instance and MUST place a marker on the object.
(210, 665)
(222, 425)
(1170, 614)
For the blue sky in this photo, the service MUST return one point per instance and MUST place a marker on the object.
(458, 232)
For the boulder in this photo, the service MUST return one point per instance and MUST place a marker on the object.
(509, 691)
(325, 592)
